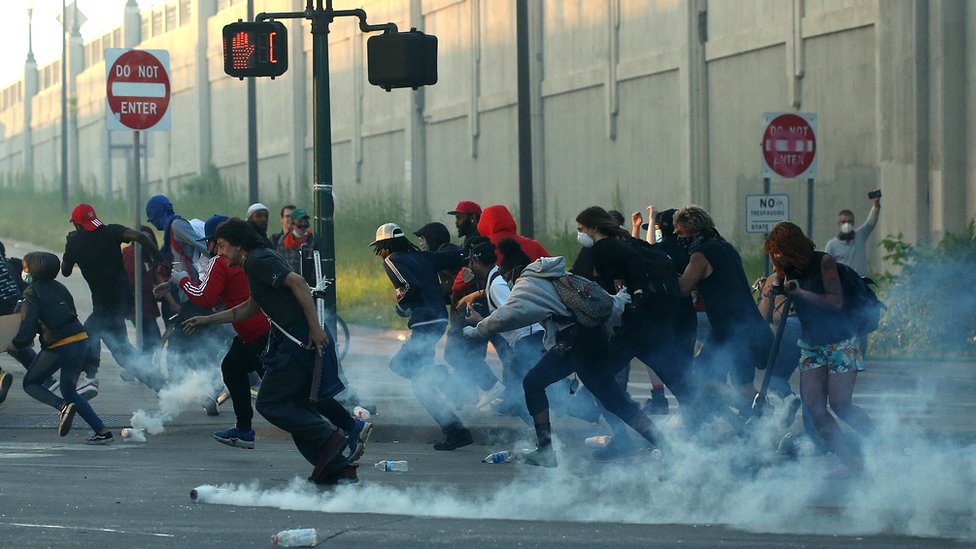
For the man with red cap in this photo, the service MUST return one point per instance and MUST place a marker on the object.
(467, 356)
(96, 248)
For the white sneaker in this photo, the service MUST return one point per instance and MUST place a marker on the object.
(490, 395)
(87, 387)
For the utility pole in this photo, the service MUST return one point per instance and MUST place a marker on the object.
(64, 108)
(252, 128)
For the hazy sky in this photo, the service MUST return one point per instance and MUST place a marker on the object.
(102, 15)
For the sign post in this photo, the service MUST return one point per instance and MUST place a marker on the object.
(137, 93)
(789, 150)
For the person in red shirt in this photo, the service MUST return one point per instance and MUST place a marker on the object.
(222, 284)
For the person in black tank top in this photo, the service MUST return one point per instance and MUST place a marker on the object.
(739, 338)
(829, 354)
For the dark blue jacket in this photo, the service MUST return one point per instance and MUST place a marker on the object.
(414, 274)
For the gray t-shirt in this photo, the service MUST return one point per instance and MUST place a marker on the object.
(853, 253)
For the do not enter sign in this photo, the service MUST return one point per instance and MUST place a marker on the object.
(789, 145)
(137, 89)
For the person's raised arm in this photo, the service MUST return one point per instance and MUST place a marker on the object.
(129, 235)
(636, 220)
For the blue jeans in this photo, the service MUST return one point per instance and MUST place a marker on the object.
(70, 360)
(415, 362)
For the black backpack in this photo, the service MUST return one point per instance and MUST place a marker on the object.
(661, 273)
(860, 301)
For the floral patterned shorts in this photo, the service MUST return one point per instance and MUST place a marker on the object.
(839, 358)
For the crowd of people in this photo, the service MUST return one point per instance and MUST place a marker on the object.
(677, 300)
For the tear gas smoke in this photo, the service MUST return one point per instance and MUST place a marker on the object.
(188, 391)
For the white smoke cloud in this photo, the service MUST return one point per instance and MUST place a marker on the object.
(927, 489)
(187, 392)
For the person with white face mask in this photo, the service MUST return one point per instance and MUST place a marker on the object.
(850, 245)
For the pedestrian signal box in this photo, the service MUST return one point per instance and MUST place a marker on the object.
(402, 59)
(255, 49)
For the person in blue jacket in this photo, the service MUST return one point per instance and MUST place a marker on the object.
(418, 293)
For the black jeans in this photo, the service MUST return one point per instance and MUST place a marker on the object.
(109, 327)
(284, 401)
(242, 359)
(557, 364)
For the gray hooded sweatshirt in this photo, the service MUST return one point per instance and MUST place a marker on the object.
(534, 299)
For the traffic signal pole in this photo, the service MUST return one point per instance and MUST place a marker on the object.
(323, 201)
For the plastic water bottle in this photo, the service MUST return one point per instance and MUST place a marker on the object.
(303, 537)
(601, 441)
(361, 413)
(390, 465)
(504, 456)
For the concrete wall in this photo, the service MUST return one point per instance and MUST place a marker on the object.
(635, 102)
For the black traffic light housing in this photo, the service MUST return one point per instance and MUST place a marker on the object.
(402, 59)
(255, 49)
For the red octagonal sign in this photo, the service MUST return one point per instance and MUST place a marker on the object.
(138, 90)
(789, 145)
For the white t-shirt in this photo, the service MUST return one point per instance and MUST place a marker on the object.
(498, 292)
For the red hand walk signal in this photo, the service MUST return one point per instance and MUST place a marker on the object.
(255, 49)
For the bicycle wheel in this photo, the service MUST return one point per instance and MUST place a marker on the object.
(342, 338)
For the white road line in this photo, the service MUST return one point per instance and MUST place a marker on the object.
(82, 528)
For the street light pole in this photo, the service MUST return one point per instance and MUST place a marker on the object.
(252, 128)
(64, 108)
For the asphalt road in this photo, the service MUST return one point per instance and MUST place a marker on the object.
(58, 492)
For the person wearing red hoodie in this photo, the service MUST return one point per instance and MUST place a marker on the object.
(221, 283)
(496, 223)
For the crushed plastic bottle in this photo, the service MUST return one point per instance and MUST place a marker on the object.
(302, 537)
(601, 441)
(504, 456)
(361, 413)
(390, 465)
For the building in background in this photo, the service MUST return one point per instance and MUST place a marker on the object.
(655, 101)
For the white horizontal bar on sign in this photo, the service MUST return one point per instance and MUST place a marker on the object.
(138, 89)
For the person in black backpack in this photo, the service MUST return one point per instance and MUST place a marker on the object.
(569, 348)
(647, 325)
(829, 353)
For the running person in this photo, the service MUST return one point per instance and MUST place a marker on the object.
(49, 310)
(300, 379)
(221, 283)
(95, 248)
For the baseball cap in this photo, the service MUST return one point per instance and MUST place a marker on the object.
(210, 227)
(298, 213)
(84, 215)
(466, 207)
(387, 231)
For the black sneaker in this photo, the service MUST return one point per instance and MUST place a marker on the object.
(6, 380)
(67, 416)
(100, 439)
(455, 439)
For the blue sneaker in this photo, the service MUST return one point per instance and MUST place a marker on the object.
(236, 437)
(358, 436)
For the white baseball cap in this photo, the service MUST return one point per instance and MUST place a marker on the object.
(387, 231)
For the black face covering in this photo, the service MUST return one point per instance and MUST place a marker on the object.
(845, 236)
(690, 243)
